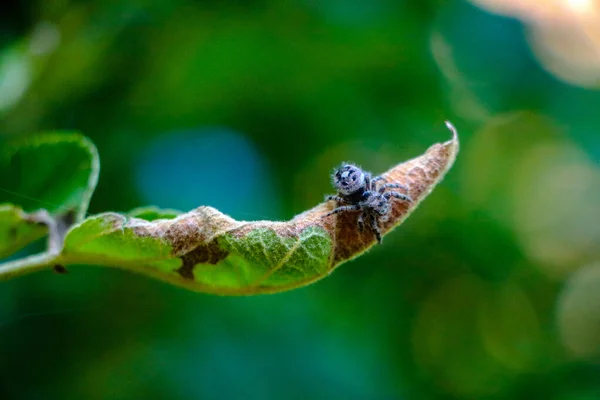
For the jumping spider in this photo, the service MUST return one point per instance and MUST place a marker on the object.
(357, 191)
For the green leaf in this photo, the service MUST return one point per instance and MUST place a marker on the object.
(57, 172)
(262, 261)
(17, 230)
(221, 256)
(107, 239)
(208, 251)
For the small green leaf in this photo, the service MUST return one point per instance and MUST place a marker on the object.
(57, 172)
(17, 230)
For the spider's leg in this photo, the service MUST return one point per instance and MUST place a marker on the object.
(397, 195)
(342, 209)
(361, 222)
(375, 180)
(375, 227)
(335, 197)
(392, 186)
(368, 181)
(367, 194)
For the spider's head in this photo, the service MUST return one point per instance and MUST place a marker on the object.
(348, 179)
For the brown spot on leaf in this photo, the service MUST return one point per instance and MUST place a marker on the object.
(186, 271)
(12, 233)
(187, 231)
(210, 253)
(60, 269)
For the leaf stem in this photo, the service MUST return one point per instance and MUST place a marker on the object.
(23, 266)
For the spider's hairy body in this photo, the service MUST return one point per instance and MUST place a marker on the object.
(358, 191)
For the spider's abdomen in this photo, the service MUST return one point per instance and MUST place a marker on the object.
(377, 202)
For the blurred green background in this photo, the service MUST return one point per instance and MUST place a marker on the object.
(491, 290)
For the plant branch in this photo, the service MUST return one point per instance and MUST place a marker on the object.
(23, 266)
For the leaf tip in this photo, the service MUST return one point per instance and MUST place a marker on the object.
(453, 130)
(454, 143)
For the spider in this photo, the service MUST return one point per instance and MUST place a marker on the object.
(357, 191)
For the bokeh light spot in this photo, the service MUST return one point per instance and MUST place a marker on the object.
(510, 327)
(578, 315)
(15, 77)
(522, 170)
(447, 342)
(556, 206)
(563, 34)
(217, 167)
